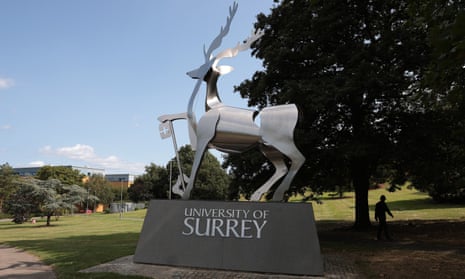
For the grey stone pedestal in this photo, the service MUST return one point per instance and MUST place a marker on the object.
(244, 236)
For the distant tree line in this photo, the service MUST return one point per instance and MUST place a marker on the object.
(53, 191)
(212, 181)
(56, 190)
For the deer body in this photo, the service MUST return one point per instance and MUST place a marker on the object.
(234, 130)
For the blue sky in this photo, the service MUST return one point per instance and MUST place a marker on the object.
(83, 82)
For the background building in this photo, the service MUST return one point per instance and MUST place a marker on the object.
(120, 180)
(116, 180)
(32, 171)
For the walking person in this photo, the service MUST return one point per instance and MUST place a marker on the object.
(380, 215)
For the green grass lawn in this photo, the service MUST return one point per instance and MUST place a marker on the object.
(77, 242)
(405, 204)
(73, 243)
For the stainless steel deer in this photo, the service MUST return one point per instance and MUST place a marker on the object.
(232, 130)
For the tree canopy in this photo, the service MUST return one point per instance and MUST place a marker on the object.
(212, 181)
(48, 197)
(98, 186)
(437, 136)
(7, 185)
(65, 174)
(154, 183)
(356, 69)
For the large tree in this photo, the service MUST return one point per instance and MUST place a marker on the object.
(98, 186)
(211, 184)
(248, 171)
(7, 185)
(65, 174)
(352, 67)
(212, 180)
(154, 183)
(140, 191)
(48, 197)
(22, 202)
(437, 136)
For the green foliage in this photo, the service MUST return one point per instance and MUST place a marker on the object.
(352, 68)
(23, 201)
(439, 162)
(63, 173)
(48, 197)
(435, 156)
(98, 186)
(212, 180)
(246, 177)
(7, 185)
(447, 38)
(140, 191)
(152, 184)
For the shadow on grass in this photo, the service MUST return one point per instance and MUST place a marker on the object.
(332, 198)
(26, 226)
(413, 235)
(69, 255)
(418, 204)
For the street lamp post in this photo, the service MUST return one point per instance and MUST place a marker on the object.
(87, 201)
(171, 174)
(121, 201)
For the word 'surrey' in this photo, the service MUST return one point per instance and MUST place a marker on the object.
(223, 222)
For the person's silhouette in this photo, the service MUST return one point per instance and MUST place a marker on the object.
(380, 215)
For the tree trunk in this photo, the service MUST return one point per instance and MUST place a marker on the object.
(49, 216)
(361, 182)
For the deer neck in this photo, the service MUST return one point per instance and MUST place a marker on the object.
(212, 99)
(190, 109)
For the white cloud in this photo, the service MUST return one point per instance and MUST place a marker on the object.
(78, 152)
(6, 83)
(5, 127)
(86, 154)
(37, 164)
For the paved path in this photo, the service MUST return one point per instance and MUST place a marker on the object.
(18, 264)
(335, 268)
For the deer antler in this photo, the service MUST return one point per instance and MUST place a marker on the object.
(231, 52)
(223, 32)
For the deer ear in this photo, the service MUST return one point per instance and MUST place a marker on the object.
(223, 69)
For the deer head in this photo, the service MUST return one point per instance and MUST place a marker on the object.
(200, 72)
(211, 62)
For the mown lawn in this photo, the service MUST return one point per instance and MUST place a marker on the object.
(77, 242)
(73, 243)
(406, 204)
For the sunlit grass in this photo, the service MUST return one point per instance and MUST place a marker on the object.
(73, 243)
(405, 204)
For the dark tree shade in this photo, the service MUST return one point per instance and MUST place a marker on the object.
(212, 181)
(352, 67)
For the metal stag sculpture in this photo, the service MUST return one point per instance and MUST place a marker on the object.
(234, 130)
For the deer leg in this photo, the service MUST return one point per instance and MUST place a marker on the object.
(277, 129)
(201, 148)
(276, 158)
(205, 133)
(297, 160)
